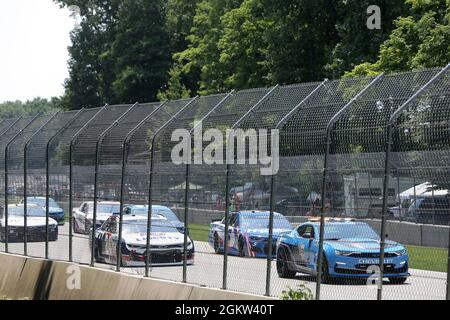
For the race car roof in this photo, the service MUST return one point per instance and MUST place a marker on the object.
(257, 213)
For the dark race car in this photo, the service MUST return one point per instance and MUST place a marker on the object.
(248, 233)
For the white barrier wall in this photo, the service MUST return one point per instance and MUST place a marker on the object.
(22, 277)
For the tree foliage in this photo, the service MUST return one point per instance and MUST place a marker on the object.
(128, 51)
(14, 109)
(419, 40)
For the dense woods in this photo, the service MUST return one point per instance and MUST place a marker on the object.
(144, 50)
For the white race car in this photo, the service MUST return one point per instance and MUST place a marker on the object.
(83, 216)
(166, 242)
(36, 224)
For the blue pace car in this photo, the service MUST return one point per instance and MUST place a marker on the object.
(248, 233)
(55, 211)
(350, 248)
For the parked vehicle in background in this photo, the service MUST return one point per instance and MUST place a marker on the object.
(432, 207)
(350, 249)
(248, 233)
(55, 211)
(167, 244)
(162, 211)
(83, 216)
(36, 224)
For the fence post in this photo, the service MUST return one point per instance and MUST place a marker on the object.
(47, 176)
(330, 126)
(6, 178)
(150, 185)
(125, 146)
(6, 183)
(187, 182)
(387, 169)
(25, 182)
(71, 146)
(97, 160)
(227, 184)
(272, 184)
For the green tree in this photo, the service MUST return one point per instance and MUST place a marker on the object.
(420, 40)
(91, 71)
(140, 51)
(13, 109)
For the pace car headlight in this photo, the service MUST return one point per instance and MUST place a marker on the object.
(400, 253)
(343, 253)
(190, 245)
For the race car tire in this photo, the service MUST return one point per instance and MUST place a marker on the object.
(216, 243)
(283, 267)
(397, 280)
(325, 278)
(74, 226)
(241, 247)
(86, 228)
(96, 255)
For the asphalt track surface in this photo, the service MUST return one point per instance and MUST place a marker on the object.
(248, 274)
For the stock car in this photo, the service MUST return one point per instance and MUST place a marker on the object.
(167, 243)
(83, 216)
(156, 210)
(36, 224)
(55, 211)
(248, 233)
(351, 250)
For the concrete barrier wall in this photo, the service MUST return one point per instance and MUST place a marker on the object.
(22, 277)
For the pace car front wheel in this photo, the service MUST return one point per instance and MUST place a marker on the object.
(325, 275)
(282, 266)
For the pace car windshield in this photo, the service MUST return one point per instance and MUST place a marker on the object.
(31, 212)
(141, 226)
(338, 231)
(262, 222)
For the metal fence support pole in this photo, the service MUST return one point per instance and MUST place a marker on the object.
(72, 145)
(125, 146)
(387, 169)
(47, 176)
(6, 179)
(186, 221)
(272, 184)
(6, 182)
(330, 126)
(187, 182)
(25, 184)
(150, 186)
(96, 166)
(227, 184)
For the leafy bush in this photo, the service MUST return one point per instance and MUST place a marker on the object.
(302, 293)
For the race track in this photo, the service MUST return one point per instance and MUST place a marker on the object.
(248, 275)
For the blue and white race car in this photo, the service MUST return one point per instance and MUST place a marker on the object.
(55, 210)
(166, 242)
(248, 233)
(351, 250)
